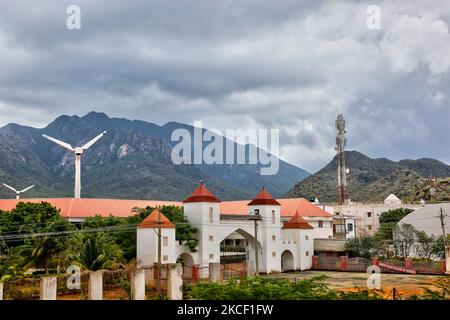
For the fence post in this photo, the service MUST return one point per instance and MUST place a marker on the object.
(195, 273)
(408, 263)
(48, 288)
(138, 285)
(214, 271)
(315, 262)
(1, 290)
(174, 281)
(344, 262)
(374, 261)
(447, 261)
(96, 285)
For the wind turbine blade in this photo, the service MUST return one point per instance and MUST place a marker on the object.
(90, 143)
(9, 187)
(26, 189)
(59, 142)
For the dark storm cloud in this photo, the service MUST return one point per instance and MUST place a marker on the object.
(291, 65)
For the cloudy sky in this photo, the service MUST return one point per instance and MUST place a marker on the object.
(292, 65)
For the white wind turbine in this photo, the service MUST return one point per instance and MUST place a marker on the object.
(18, 192)
(78, 152)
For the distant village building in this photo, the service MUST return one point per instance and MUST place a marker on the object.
(366, 215)
(392, 199)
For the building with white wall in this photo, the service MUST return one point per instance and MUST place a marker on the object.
(147, 242)
(366, 215)
(279, 246)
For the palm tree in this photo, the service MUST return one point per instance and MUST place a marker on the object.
(98, 251)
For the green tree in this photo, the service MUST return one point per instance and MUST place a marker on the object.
(438, 247)
(404, 238)
(96, 251)
(388, 221)
(35, 231)
(425, 245)
(366, 246)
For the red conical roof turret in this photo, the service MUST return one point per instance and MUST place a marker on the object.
(297, 222)
(201, 194)
(264, 198)
(156, 220)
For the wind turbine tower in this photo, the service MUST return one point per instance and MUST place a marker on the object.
(341, 141)
(78, 152)
(18, 192)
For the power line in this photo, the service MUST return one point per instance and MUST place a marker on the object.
(46, 234)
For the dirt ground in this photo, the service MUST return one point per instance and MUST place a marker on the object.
(405, 284)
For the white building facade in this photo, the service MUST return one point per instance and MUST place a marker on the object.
(279, 248)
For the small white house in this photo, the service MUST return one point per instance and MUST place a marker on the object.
(147, 240)
(392, 199)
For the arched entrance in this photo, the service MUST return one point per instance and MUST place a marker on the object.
(187, 261)
(287, 261)
(237, 253)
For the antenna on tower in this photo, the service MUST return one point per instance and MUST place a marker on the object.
(341, 141)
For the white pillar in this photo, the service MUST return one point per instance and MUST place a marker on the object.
(96, 285)
(1, 290)
(214, 271)
(138, 285)
(174, 281)
(48, 288)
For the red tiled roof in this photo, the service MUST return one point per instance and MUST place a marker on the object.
(264, 198)
(87, 207)
(83, 208)
(297, 222)
(152, 221)
(201, 194)
(288, 208)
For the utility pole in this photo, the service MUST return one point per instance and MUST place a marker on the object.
(158, 273)
(441, 217)
(255, 217)
(446, 249)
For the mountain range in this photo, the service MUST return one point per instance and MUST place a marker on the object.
(133, 161)
(374, 179)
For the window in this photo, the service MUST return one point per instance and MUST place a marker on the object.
(369, 214)
(274, 254)
(211, 238)
(337, 213)
(306, 238)
(211, 256)
(320, 224)
(369, 227)
(350, 227)
(165, 241)
(211, 215)
(307, 253)
(165, 258)
(273, 216)
(274, 238)
(257, 211)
